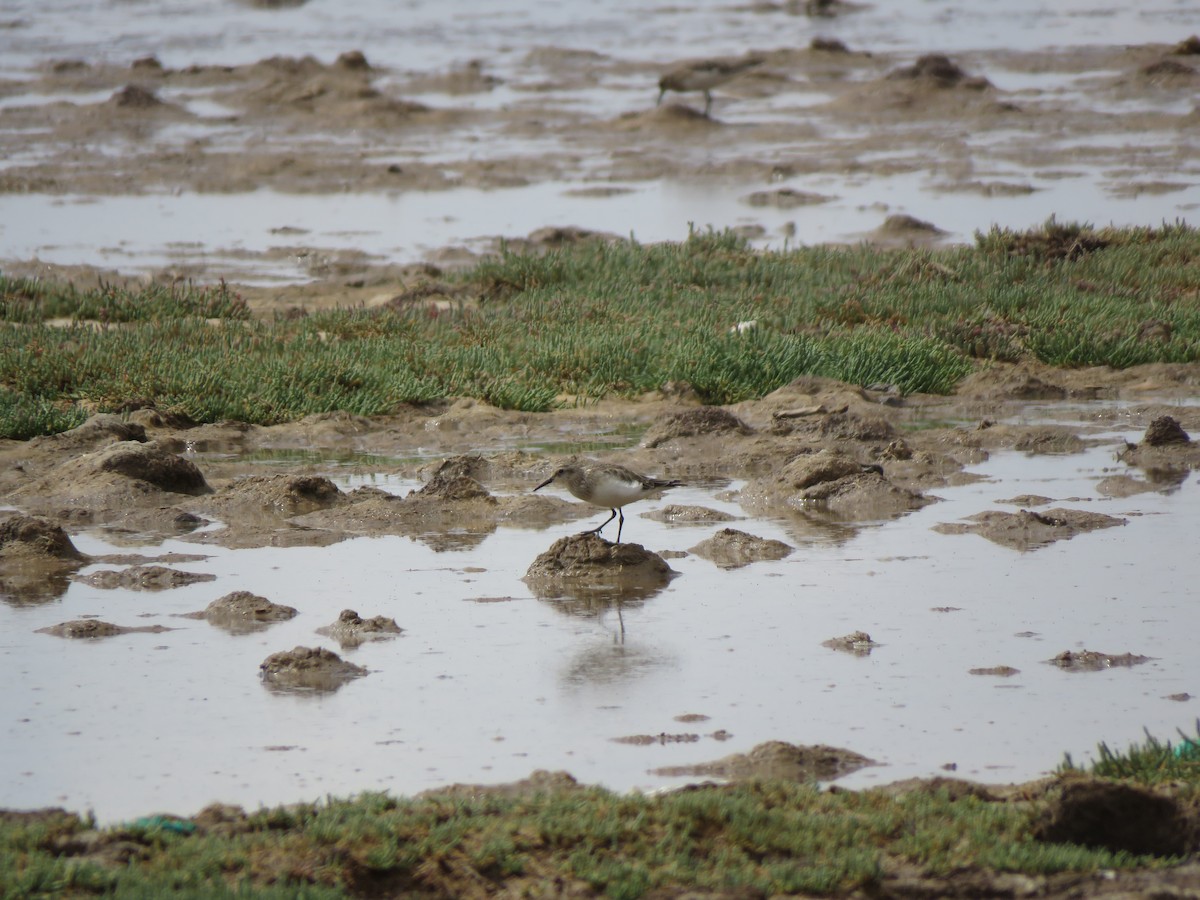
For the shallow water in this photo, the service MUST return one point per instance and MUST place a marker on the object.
(488, 682)
(421, 34)
(231, 235)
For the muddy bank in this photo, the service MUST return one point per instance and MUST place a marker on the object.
(827, 458)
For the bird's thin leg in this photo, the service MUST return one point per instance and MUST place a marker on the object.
(658, 102)
(605, 522)
(620, 525)
(707, 102)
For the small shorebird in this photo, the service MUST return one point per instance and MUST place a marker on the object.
(704, 76)
(608, 486)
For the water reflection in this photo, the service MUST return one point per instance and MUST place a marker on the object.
(588, 600)
(32, 588)
(614, 662)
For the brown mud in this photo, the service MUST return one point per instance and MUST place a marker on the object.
(351, 629)
(240, 612)
(307, 669)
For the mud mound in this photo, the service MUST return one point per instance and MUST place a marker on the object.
(1017, 384)
(465, 466)
(1189, 46)
(1119, 817)
(1166, 71)
(588, 557)
(452, 488)
(954, 788)
(1029, 530)
(704, 420)
(552, 237)
(94, 628)
(835, 483)
(29, 538)
(304, 86)
(143, 578)
(134, 96)
(288, 495)
(820, 468)
(148, 417)
(102, 428)
(778, 759)
(733, 549)
(849, 426)
(36, 558)
(354, 60)
(351, 629)
(905, 225)
(1163, 481)
(447, 513)
(822, 423)
(539, 782)
(307, 669)
(1094, 660)
(1165, 431)
(241, 611)
(940, 71)
(1166, 453)
(857, 642)
(151, 465)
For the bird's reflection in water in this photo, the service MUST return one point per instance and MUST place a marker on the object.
(615, 660)
(587, 600)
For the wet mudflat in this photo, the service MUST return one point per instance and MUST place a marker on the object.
(493, 676)
(277, 146)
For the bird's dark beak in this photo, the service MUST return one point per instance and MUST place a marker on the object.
(544, 483)
(661, 91)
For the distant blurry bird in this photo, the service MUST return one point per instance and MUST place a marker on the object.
(704, 76)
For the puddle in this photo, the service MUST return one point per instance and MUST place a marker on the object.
(238, 234)
(488, 682)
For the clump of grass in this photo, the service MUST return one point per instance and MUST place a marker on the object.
(760, 838)
(1151, 761)
(1053, 241)
(599, 319)
(28, 300)
(23, 416)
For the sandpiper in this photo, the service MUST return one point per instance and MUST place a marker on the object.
(704, 76)
(608, 486)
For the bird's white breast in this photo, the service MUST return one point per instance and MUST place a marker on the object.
(613, 491)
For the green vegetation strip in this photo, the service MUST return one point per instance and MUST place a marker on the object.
(756, 839)
(602, 319)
